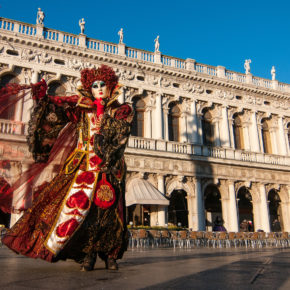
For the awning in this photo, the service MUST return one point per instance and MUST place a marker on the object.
(140, 191)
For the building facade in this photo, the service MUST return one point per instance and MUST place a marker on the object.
(206, 141)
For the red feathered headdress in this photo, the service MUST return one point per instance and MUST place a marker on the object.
(103, 73)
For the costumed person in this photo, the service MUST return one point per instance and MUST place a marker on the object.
(218, 225)
(80, 213)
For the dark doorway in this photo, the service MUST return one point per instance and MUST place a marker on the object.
(245, 208)
(212, 205)
(276, 222)
(177, 210)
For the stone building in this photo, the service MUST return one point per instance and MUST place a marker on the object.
(206, 141)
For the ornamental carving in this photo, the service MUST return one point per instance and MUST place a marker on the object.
(75, 64)
(240, 184)
(26, 76)
(226, 95)
(270, 186)
(188, 87)
(3, 66)
(124, 74)
(254, 100)
(27, 54)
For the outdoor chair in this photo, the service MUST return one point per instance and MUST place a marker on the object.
(183, 239)
(193, 239)
(142, 238)
(231, 240)
(165, 238)
(155, 237)
(174, 238)
(221, 238)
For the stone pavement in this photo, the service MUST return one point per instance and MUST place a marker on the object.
(156, 269)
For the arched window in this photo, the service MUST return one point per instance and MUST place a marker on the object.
(207, 129)
(238, 133)
(56, 89)
(138, 121)
(4, 80)
(266, 137)
(173, 122)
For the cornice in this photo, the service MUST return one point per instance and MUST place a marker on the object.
(68, 50)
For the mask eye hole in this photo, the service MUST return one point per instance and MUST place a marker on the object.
(95, 86)
(102, 84)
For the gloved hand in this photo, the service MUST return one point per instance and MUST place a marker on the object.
(39, 90)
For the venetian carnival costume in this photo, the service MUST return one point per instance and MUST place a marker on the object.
(81, 212)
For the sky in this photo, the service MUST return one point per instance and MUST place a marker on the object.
(209, 31)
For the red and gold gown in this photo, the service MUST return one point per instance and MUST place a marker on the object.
(82, 210)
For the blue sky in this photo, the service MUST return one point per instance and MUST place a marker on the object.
(211, 32)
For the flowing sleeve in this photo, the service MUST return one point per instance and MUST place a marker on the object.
(48, 118)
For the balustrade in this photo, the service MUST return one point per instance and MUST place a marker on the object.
(12, 127)
(71, 39)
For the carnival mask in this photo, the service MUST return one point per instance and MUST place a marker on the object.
(100, 90)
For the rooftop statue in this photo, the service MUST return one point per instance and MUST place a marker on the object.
(82, 25)
(40, 16)
(157, 44)
(273, 73)
(121, 34)
(247, 66)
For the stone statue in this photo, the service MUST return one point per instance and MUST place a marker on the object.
(40, 16)
(273, 73)
(121, 34)
(157, 44)
(247, 66)
(82, 25)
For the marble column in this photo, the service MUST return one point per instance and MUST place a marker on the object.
(246, 137)
(273, 137)
(28, 101)
(148, 123)
(287, 141)
(122, 96)
(217, 140)
(183, 128)
(231, 129)
(233, 211)
(199, 128)
(165, 120)
(282, 143)
(194, 124)
(199, 206)
(161, 209)
(157, 131)
(225, 215)
(255, 144)
(285, 208)
(264, 210)
(225, 133)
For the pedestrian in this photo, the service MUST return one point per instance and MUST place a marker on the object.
(218, 225)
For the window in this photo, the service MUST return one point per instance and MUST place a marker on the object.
(266, 137)
(138, 121)
(238, 133)
(207, 129)
(56, 89)
(8, 114)
(173, 122)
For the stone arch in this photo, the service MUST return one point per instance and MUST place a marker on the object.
(178, 183)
